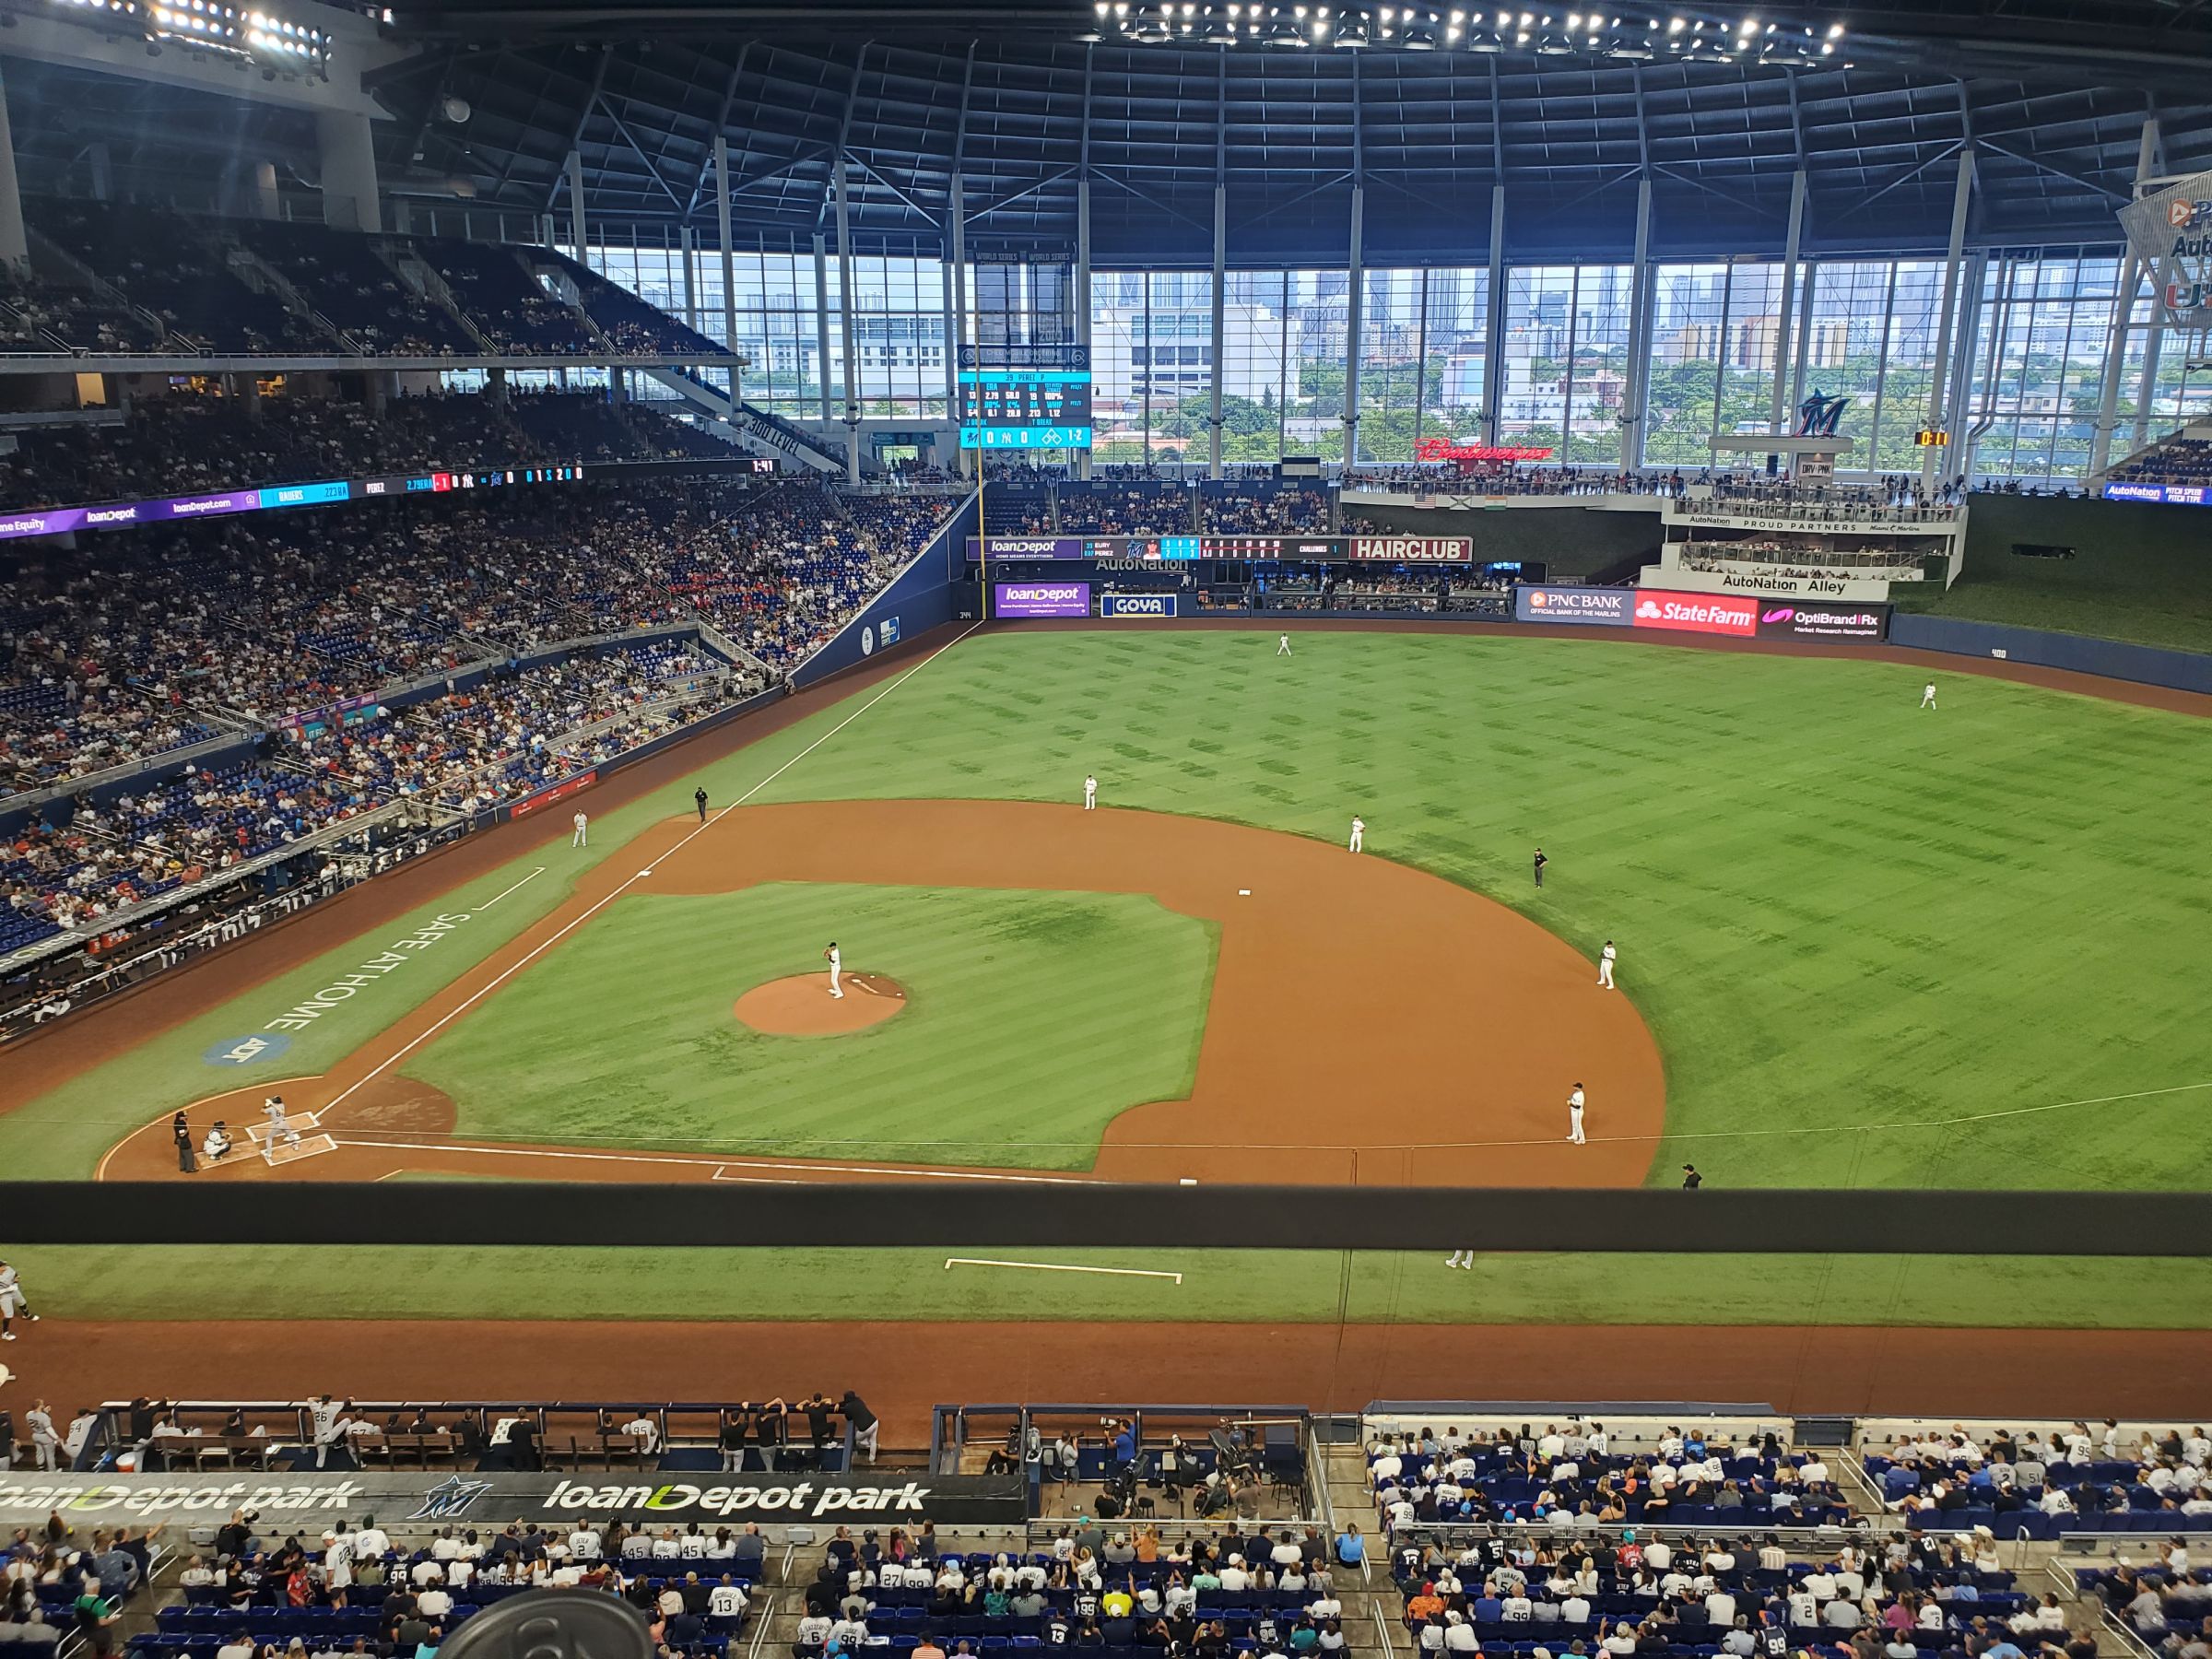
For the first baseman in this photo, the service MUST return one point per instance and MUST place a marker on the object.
(1604, 966)
(1574, 1116)
(582, 838)
(837, 963)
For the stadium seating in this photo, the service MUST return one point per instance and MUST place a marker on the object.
(2180, 460)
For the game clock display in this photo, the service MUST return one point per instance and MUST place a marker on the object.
(1025, 397)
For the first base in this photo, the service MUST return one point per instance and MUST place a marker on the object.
(1243, 892)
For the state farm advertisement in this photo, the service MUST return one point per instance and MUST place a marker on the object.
(1697, 613)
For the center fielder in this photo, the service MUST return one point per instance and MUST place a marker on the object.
(1282, 645)
(837, 963)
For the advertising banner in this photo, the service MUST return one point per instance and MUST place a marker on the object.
(1812, 620)
(1413, 549)
(1605, 607)
(1030, 546)
(1136, 604)
(1697, 613)
(559, 792)
(305, 1498)
(1041, 598)
(2173, 495)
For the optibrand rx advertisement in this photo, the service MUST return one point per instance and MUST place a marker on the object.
(1817, 621)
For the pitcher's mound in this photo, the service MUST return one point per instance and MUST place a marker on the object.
(802, 1006)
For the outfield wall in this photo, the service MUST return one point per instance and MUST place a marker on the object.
(921, 597)
(2110, 659)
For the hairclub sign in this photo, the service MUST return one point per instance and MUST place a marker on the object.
(1412, 550)
(1696, 612)
(305, 1499)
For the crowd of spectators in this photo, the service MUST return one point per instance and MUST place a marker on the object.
(1265, 509)
(55, 1582)
(37, 316)
(2072, 1472)
(246, 622)
(1126, 509)
(343, 278)
(2177, 460)
(187, 444)
(1269, 1591)
(506, 303)
(632, 325)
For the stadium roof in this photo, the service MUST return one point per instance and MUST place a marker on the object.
(2051, 95)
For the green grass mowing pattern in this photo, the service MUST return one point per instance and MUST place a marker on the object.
(1275, 1286)
(1017, 1029)
(1840, 913)
(1834, 911)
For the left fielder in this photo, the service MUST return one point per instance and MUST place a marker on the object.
(837, 964)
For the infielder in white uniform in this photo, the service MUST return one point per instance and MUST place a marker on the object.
(1927, 695)
(1574, 1116)
(1091, 794)
(1604, 966)
(1359, 834)
(581, 838)
(837, 963)
(12, 1302)
(1282, 644)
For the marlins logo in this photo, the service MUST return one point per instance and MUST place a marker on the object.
(449, 1497)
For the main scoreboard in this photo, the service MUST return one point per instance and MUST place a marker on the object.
(1025, 397)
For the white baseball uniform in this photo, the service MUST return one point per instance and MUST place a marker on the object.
(1574, 1117)
(12, 1302)
(1282, 645)
(579, 839)
(1359, 834)
(280, 1127)
(1091, 794)
(837, 963)
(1604, 966)
(1927, 695)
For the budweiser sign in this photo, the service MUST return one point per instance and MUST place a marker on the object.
(1443, 449)
(1413, 549)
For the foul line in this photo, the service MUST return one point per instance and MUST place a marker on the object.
(475, 997)
(952, 1262)
(502, 893)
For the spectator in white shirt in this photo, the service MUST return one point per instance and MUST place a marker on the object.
(725, 1600)
(1575, 1611)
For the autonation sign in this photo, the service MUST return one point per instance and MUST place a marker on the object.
(1136, 604)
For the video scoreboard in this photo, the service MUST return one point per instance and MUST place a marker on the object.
(1025, 397)
(1174, 549)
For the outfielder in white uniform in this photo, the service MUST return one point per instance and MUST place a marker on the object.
(837, 963)
(582, 838)
(12, 1302)
(1282, 645)
(1604, 966)
(1927, 695)
(1574, 1116)
(1091, 794)
(1359, 834)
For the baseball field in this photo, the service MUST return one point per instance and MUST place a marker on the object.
(1861, 944)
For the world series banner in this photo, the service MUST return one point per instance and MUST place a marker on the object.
(2170, 232)
(291, 1502)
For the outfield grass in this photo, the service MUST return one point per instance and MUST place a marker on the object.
(1019, 1010)
(1877, 946)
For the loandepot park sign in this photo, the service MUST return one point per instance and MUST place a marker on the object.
(2170, 232)
(398, 1500)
